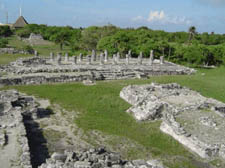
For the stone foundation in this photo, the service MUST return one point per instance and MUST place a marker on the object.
(39, 70)
(195, 121)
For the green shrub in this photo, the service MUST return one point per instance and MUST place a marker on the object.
(3, 42)
(29, 49)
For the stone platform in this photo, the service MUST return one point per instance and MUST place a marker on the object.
(195, 121)
(38, 70)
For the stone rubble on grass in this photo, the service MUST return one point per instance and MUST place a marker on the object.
(95, 158)
(195, 121)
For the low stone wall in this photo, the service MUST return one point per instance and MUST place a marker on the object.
(11, 122)
(11, 51)
(195, 121)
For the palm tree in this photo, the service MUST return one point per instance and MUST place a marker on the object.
(192, 33)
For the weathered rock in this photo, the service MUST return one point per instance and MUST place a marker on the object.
(188, 117)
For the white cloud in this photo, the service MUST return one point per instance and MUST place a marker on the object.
(160, 17)
(156, 16)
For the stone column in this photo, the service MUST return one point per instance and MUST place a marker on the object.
(118, 57)
(35, 53)
(151, 59)
(93, 58)
(74, 58)
(51, 56)
(114, 59)
(93, 55)
(66, 57)
(101, 59)
(129, 54)
(162, 60)
(127, 59)
(140, 58)
(106, 56)
(88, 59)
(59, 58)
(80, 58)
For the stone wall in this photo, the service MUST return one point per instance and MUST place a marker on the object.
(38, 70)
(195, 121)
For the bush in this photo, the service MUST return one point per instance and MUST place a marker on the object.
(5, 31)
(28, 49)
(23, 33)
(3, 42)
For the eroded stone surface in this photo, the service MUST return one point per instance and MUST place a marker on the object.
(195, 121)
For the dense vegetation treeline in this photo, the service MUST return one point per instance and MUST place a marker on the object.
(180, 47)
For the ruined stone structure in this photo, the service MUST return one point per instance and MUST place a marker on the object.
(96, 158)
(195, 121)
(39, 70)
(14, 145)
(18, 115)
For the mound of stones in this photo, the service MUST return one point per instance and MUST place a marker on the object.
(195, 121)
(95, 158)
(38, 70)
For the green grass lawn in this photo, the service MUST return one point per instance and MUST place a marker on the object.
(43, 50)
(102, 109)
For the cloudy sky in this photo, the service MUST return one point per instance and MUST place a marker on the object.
(168, 15)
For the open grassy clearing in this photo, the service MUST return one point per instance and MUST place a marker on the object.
(102, 109)
(43, 49)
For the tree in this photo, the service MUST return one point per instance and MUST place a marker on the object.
(62, 38)
(192, 33)
(5, 31)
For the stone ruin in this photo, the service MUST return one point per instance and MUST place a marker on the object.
(195, 121)
(58, 68)
(18, 114)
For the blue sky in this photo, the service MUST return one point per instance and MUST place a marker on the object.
(168, 15)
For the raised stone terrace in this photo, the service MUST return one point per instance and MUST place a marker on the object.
(38, 70)
(195, 121)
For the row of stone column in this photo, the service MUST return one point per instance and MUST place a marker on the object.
(103, 58)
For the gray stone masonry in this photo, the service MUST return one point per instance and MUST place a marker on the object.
(195, 121)
(80, 58)
(93, 56)
(96, 158)
(59, 58)
(74, 58)
(51, 56)
(101, 59)
(89, 59)
(118, 57)
(106, 56)
(151, 59)
(37, 70)
(127, 59)
(114, 59)
(66, 57)
(36, 53)
(162, 60)
(140, 58)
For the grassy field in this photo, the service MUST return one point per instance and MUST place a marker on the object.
(102, 109)
(43, 50)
